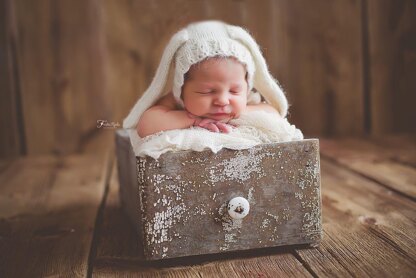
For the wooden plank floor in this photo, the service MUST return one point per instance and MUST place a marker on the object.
(60, 216)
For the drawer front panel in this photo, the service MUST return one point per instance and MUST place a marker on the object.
(184, 197)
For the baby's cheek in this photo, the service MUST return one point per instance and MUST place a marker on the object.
(196, 107)
(242, 103)
(243, 107)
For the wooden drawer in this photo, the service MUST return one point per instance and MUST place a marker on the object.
(178, 203)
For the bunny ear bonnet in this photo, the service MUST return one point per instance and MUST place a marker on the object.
(197, 42)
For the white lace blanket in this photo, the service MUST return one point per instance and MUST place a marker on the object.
(253, 128)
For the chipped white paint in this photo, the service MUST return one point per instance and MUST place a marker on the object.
(299, 195)
(157, 229)
(250, 197)
(141, 166)
(275, 217)
(274, 235)
(286, 214)
(239, 168)
(164, 251)
(309, 177)
(265, 223)
(200, 210)
(157, 179)
(213, 196)
(231, 227)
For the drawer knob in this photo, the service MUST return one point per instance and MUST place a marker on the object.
(238, 208)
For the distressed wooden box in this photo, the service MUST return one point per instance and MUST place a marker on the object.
(178, 203)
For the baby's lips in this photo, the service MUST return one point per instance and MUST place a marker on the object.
(222, 110)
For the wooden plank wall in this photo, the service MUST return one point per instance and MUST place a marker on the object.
(348, 67)
(10, 126)
(60, 71)
(308, 55)
(392, 72)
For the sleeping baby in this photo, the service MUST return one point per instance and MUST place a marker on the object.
(219, 75)
(215, 91)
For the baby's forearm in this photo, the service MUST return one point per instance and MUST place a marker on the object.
(162, 118)
(156, 120)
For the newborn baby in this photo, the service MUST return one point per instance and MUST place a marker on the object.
(215, 91)
(214, 99)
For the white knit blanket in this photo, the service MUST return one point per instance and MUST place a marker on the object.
(253, 128)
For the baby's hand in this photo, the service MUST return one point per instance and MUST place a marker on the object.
(214, 126)
(210, 124)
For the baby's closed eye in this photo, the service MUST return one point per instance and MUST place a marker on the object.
(205, 92)
(235, 92)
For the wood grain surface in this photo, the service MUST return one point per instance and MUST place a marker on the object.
(48, 208)
(12, 137)
(392, 65)
(307, 56)
(62, 216)
(61, 72)
(374, 162)
(368, 230)
(319, 63)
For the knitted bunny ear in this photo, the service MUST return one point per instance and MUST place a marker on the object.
(152, 94)
(263, 81)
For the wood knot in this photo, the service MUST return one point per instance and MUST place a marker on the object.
(367, 220)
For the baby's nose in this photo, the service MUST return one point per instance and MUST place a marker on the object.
(222, 99)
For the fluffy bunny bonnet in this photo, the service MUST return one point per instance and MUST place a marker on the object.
(197, 42)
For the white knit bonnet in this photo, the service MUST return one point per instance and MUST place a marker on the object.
(197, 42)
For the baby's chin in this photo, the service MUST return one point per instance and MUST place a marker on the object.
(219, 116)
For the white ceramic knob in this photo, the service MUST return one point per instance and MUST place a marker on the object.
(238, 208)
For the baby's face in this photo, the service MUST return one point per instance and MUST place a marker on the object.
(216, 88)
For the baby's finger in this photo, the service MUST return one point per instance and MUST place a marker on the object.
(224, 128)
(206, 121)
(212, 127)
